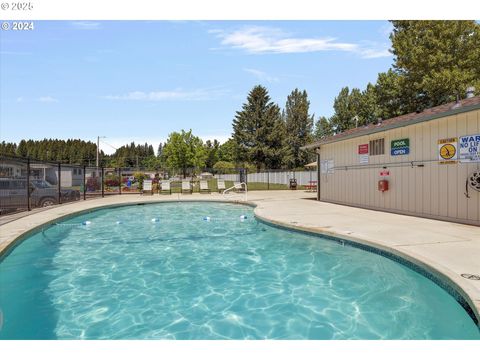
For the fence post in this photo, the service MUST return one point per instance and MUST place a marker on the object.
(318, 174)
(59, 183)
(84, 182)
(268, 179)
(119, 181)
(28, 185)
(103, 185)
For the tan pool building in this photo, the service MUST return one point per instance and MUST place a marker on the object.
(423, 164)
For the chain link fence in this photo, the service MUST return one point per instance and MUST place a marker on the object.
(27, 184)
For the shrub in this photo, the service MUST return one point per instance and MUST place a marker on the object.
(140, 177)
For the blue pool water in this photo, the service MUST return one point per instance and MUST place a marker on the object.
(124, 276)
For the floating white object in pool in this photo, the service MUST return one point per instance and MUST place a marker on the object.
(119, 222)
(206, 218)
(155, 220)
(243, 217)
(86, 222)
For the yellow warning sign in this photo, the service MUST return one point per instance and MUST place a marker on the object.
(447, 150)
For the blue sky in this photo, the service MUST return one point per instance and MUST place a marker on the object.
(141, 80)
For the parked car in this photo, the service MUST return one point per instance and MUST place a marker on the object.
(13, 193)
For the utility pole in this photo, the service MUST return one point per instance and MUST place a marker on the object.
(98, 151)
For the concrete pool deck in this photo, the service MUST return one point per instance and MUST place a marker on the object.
(445, 249)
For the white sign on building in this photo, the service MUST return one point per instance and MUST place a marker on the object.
(326, 166)
(469, 148)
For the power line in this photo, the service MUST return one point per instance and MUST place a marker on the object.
(113, 147)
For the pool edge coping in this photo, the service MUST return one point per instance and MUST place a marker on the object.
(440, 275)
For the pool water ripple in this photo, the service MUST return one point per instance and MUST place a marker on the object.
(183, 277)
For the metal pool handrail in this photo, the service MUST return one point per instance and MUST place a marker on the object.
(237, 186)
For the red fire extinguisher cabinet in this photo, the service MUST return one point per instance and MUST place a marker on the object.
(382, 185)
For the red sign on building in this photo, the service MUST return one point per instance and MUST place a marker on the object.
(363, 149)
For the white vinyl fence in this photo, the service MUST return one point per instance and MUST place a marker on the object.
(275, 177)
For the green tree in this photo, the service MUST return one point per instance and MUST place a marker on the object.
(151, 163)
(389, 92)
(224, 167)
(211, 150)
(184, 150)
(298, 126)
(368, 111)
(8, 149)
(226, 151)
(436, 61)
(159, 150)
(347, 107)
(323, 128)
(258, 131)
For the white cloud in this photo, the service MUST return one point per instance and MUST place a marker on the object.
(86, 25)
(261, 75)
(268, 40)
(179, 94)
(19, 99)
(47, 99)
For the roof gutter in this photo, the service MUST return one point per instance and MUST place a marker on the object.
(463, 109)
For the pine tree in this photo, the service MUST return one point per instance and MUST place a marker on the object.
(323, 128)
(258, 131)
(298, 126)
(436, 60)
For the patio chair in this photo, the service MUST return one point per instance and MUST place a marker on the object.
(186, 187)
(221, 185)
(165, 184)
(204, 186)
(147, 187)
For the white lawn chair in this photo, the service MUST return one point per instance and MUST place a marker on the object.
(166, 187)
(147, 187)
(204, 186)
(221, 185)
(186, 187)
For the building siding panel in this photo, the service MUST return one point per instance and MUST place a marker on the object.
(432, 190)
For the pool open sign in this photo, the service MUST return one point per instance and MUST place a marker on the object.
(400, 147)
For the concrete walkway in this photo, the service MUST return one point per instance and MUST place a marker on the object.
(446, 249)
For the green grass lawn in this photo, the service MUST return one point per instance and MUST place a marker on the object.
(176, 186)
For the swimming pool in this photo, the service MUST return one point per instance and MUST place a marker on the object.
(198, 270)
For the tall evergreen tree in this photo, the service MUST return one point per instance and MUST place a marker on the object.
(258, 131)
(436, 60)
(346, 106)
(159, 150)
(323, 128)
(298, 126)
